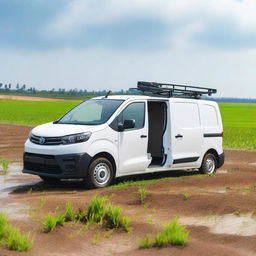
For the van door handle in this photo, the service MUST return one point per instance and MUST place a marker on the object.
(143, 136)
(178, 136)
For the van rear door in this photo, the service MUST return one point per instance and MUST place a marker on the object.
(186, 133)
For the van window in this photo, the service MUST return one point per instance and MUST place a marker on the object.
(135, 111)
(186, 114)
(209, 116)
(91, 112)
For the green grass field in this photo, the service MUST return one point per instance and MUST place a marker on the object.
(239, 120)
(33, 112)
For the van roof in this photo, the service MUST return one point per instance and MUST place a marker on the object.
(146, 97)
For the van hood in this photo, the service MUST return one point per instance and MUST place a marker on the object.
(59, 130)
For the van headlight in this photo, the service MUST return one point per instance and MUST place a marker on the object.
(76, 138)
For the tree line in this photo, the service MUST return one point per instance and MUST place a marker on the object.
(62, 92)
(23, 88)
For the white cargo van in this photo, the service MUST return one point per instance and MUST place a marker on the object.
(112, 136)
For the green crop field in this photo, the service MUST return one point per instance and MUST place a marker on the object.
(33, 112)
(239, 120)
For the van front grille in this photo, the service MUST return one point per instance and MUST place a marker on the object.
(45, 140)
(43, 168)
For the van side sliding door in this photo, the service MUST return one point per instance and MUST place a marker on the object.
(186, 135)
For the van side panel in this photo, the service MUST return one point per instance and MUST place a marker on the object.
(211, 126)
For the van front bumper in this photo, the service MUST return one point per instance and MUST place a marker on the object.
(58, 166)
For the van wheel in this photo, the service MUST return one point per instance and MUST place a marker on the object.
(100, 173)
(209, 164)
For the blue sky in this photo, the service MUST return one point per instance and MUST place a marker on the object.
(88, 44)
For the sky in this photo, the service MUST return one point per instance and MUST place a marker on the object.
(111, 44)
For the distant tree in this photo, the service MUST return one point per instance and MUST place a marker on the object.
(23, 88)
(1, 84)
(9, 86)
(17, 86)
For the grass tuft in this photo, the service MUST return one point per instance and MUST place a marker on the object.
(97, 209)
(82, 215)
(70, 214)
(126, 221)
(113, 216)
(143, 193)
(3, 225)
(16, 241)
(51, 222)
(5, 165)
(173, 234)
(186, 196)
(96, 237)
(146, 242)
(11, 237)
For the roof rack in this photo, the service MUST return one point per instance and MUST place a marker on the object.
(174, 90)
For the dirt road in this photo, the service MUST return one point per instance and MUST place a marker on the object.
(26, 98)
(220, 213)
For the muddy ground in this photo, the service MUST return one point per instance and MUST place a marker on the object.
(220, 213)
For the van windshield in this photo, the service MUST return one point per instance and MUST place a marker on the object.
(91, 112)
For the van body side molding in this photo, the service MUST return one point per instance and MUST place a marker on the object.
(185, 160)
(212, 135)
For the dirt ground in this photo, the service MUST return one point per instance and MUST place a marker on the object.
(220, 213)
(26, 98)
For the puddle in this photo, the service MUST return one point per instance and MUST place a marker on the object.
(218, 190)
(7, 184)
(16, 211)
(244, 225)
(222, 171)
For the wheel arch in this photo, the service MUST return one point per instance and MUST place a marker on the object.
(107, 156)
(214, 152)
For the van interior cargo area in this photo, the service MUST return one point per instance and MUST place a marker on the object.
(157, 126)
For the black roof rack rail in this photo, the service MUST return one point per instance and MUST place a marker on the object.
(174, 90)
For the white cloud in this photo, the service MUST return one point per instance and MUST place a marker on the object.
(88, 13)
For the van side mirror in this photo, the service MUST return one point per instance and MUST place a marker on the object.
(128, 124)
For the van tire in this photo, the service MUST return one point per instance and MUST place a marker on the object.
(209, 164)
(100, 173)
